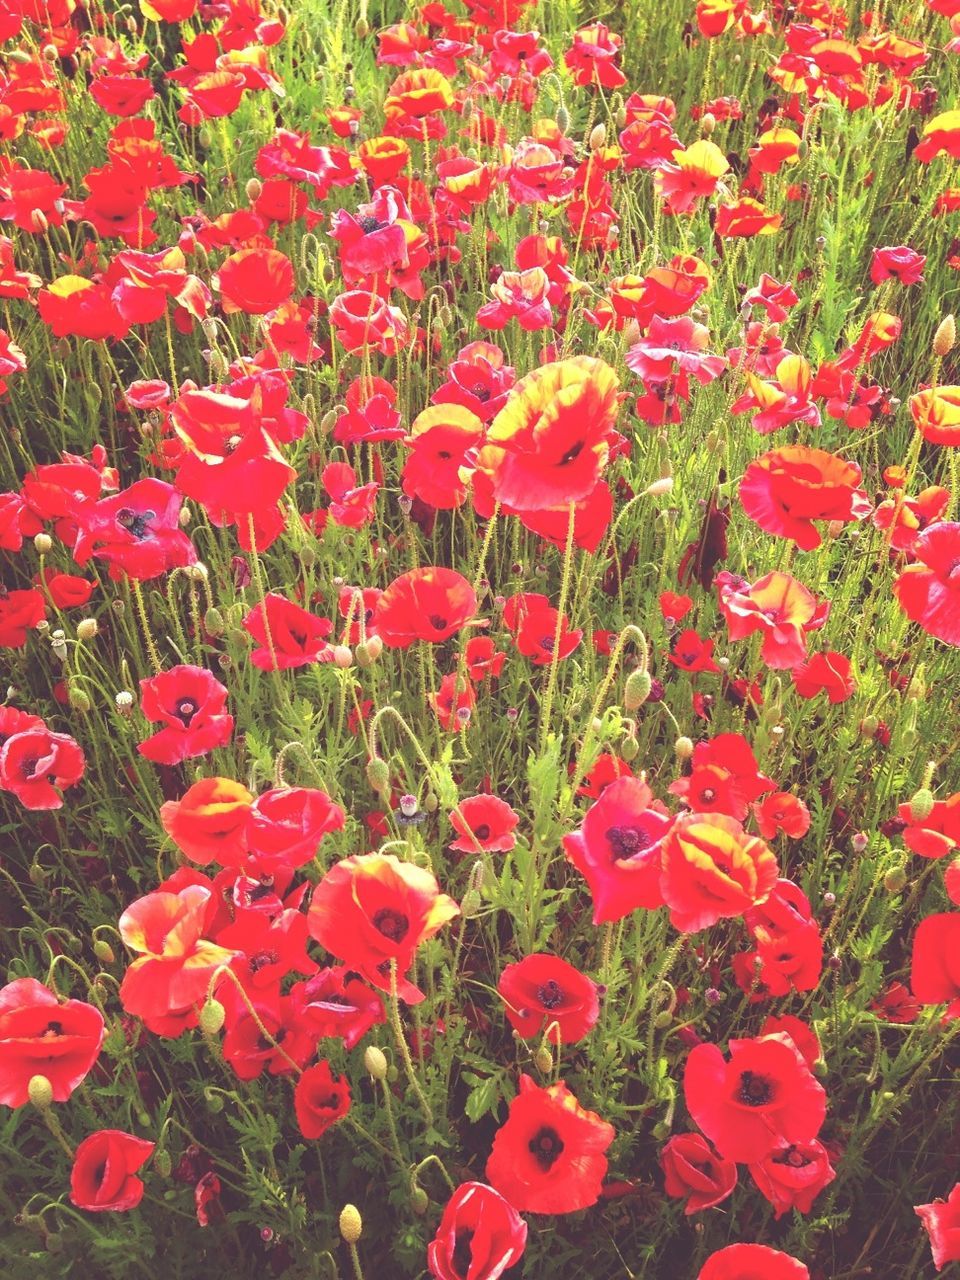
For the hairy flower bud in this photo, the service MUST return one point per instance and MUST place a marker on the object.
(921, 805)
(43, 543)
(212, 1017)
(945, 339)
(375, 1061)
(40, 1092)
(637, 689)
(351, 1224)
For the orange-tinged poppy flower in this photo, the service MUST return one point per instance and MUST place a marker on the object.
(786, 490)
(441, 442)
(775, 148)
(711, 870)
(549, 444)
(747, 217)
(372, 909)
(255, 281)
(418, 93)
(941, 134)
(776, 605)
(429, 603)
(209, 822)
(695, 172)
(175, 963)
(936, 414)
(384, 159)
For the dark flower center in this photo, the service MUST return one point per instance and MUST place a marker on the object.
(626, 841)
(28, 767)
(186, 709)
(135, 522)
(546, 1146)
(438, 622)
(482, 832)
(794, 1158)
(369, 224)
(755, 1091)
(462, 1253)
(550, 994)
(391, 924)
(481, 392)
(262, 959)
(572, 453)
(53, 1029)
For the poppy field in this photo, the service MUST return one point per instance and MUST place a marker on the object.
(479, 628)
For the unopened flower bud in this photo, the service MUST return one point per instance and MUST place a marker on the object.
(945, 339)
(683, 748)
(895, 881)
(921, 805)
(708, 123)
(87, 629)
(378, 774)
(43, 543)
(79, 699)
(212, 1017)
(563, 119)
(659, 487)
(869, 726)
(470, 904)
(661, 1131)
(375, 1062)
(103, 951)
(637, 689)
(859, 841)
(40, 1092)
(361, 29)
(598, 136)
(343, 656)
(543, 1060)
(419, 1201)
(254, 189)
(430, 802)
(162, 1163)
(629, 748)
(351, 1224)
(213, 622)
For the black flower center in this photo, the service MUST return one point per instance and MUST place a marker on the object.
(483, 831)
(794, 1158)
(262, 959)
(391, 924)
(438, 622)
(462, 1253)
(572, 453)
(550, 994)
(546, 1146)
(369, 224)
(626, 841)
(755, 1091)
(186, 709)
(135, 522)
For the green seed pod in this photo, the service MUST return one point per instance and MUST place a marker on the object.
(629, 748)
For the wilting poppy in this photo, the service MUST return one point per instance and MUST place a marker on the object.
(103, 1178)
(371, 910)
(541, 990)
(694, 1172)
(764, 1095)
(41, 1035)
(549, 1155)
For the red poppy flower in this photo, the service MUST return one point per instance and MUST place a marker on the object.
(442, 439)
(209, 822)
(453, 702)
(66, 590)
(286, 825)
(724, 777)
(786, 490)
(713, 870)
(607, 769)
(941, 1221)
(674, 606)
(746, 217)
(372, 909)
(896, 1004)
(477, 380)
(483, 658)
(36, 765)
(549, 444)
(537, 637)
(541, 990)
(518, 295)
(592, 58)
(254, 281)
(19, 612)
(936, 835)
(693, 1171)
(72, 306)
(828, 673)
(935, 965)
(940, 134)
(250, 1053)
(189, 702)
(43, 1036)
(363, 321)
(103, 1178)
(793, 1175)
(691, 653)
(485, 822)
(693, 175)
(549, 1155)
(137, 531)
(384, 158)
(618, 847)
(782, 401)
(784, 812)
(480, 1235)
(287, 635)
(335, 1004)
(320, 1099)
(779, 607)
(424, 604)
(799, 1032)
(929, 592)
(899, 262)
(268, 947)
(752, 1262)
(171, 975)
(765, 1095)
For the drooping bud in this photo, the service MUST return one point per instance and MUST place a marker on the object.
(103, 951)
(598, 137)
(212, 1017)
(378, 774)
(543, 1060)
(895, 881)
(637, 689)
